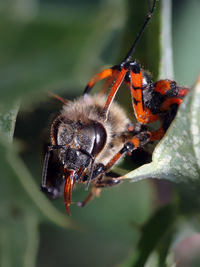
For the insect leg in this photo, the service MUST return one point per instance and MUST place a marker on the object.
(142, 113)
(114, 90)
(109, 82)
(94, 192)
(169, 102)
(108, 182)
(173, 98)
(170, 89)
(132, 144)
(183, 91)
(167, 118)
(98, 77)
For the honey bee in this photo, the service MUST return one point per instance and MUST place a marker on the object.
(85, 144)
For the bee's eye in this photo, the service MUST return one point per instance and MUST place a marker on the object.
(100, 138)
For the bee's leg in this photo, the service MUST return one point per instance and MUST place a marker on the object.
(108, 181)
(94, 192)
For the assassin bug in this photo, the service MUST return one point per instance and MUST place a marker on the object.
(92, 133)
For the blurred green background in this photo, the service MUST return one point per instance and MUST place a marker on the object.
(57, 46)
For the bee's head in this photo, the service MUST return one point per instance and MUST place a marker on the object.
(81, 142)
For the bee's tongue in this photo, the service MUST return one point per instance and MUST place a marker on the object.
(69, 184)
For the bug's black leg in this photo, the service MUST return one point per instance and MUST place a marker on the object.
(108, 182)
(96, 189)
(99, 169)
(108, 179)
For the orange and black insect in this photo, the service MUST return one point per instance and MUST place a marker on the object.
(92, 133)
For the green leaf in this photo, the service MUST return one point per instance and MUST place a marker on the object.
(7, 121)
(152, 234)
(176, 157)
(23, 207)
(39, 59)
(19, 239)
(18, 178)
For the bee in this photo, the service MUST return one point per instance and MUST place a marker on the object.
(84, 144)
(93, 132)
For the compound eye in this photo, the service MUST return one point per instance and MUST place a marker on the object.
(100, 138)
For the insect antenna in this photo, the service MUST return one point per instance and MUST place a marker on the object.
(139, 35)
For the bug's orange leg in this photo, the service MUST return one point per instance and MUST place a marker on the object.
(137, 141)
(171, 111)
(143, 114)
(164, 86)
(169, 102)
(136, 82)
(157, 135)
(183, 91)
(108, 82)
(170, 89)
(114, 90)
(132, 144)
(98, 77)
